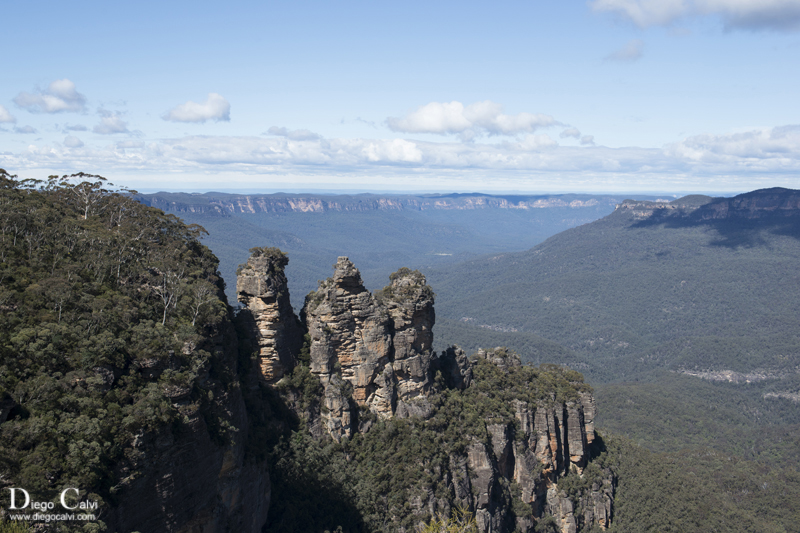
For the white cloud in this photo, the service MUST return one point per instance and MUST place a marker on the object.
(5, 116)
(60, 96)
(778, 15)
(644, 13)
(781, 15)
(25, 129)
(632, 51)
(766, 147)
(70, 141)
(293, 135)
(537, 142)
(214, 108)
(468, 121)
(110, 123)
(77, 127)
(570, 132)
(769, 156)
(394, 151)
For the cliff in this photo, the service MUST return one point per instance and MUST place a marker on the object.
(776, 202)
(198, 478)
(523, 431)
(222, 204)
(378, 347)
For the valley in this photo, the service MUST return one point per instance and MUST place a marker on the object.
(634, 372)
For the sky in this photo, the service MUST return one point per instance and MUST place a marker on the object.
(658, 96)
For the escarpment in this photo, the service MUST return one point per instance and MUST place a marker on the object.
(512, 444)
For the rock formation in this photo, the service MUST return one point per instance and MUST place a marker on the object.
(548, 441)
(261, 288)
(378, 347)
(372, 355)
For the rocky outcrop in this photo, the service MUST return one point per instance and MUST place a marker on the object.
(533, 467)
(370, 351)
(271, 325)
(775, 203)
(372, 355)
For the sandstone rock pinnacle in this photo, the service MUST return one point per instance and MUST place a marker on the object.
(379, 344)
(273, 328)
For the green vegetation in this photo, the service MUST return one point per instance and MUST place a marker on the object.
(461, 521)
(630, 303)
(629, 296)
(14, 526)
(414, 282)
(107, 308)
(698, 490)
(381, 479)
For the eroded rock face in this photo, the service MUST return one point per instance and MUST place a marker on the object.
(379, 345)
(548, 441)
(262, 288)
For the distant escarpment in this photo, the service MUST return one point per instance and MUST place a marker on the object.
(228, 204)
(763, 203)
(407, 434)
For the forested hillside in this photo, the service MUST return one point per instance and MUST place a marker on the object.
(648, 287)
(683, 317)
(124, 372)
(113, 333)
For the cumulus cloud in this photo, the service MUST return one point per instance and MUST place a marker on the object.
(570, 132)
(215, 108)
(60, 96)
(110, 123)
(5, 116)
(766, 146)
(537, 142)
(70, 141)
(739, 160)
(77, 127)
(632, 51)
(468, 121)
(775, 15)
(25, 129)
(293, 135)
(780, 15)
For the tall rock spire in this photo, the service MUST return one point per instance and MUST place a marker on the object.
(273, 329)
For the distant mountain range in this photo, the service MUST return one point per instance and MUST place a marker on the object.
(225, 204)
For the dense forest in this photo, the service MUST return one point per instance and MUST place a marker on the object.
(106, 310)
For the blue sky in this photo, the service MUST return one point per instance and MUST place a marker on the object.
(535, 96)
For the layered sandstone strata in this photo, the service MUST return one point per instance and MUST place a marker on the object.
(379, 346)
(275, 332)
